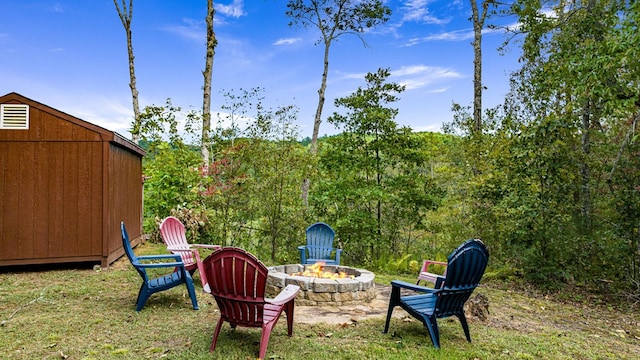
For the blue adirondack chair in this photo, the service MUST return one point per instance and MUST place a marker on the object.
(465, 267)
(319, 245)
(161, 283)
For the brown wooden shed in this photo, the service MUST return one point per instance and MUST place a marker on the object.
(65, 185)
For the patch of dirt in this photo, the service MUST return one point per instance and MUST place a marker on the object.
(348, 314)
(513, 310)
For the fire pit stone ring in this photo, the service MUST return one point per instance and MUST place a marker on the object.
(357, 288)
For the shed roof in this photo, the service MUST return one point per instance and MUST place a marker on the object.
(106, 135)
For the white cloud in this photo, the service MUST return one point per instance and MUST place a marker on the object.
(421, 76)
(287, 41)
(456, 35)
(417, 10)
(415, 76)
(191, 30)
(57, 8)
(109, 113)
(235, 9)
(439, 90)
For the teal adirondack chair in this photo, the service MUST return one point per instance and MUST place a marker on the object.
(151, 286)
(319, 246)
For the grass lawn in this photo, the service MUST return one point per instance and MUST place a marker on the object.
(90, 314)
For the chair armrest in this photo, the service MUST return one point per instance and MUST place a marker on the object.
(427, 263)
(192, 247)
(302, 249)
(161, 265)
(160, 257)
(181, 250)
(207, 246)
(286, 295)
(414, 287)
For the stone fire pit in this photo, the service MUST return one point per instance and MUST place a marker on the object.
(357, 289)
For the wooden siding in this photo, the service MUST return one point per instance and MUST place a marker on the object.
(125, 198)
(52, 196)
(65, 185)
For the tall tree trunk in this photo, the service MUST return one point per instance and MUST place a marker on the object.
(207, 73)
(478, 25)
(321, 98)
(584, 169)
(125, 17)
(306, 183)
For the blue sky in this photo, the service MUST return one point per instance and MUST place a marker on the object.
(72, 55)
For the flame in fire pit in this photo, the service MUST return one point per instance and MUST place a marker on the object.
(317, 270)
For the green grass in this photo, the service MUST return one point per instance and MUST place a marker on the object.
(89, 314)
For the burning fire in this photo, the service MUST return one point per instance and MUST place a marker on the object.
(317, 270)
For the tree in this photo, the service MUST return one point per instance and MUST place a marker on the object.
(126, 14)
(372, 174)
(335, 18)
(212, 42)
(572, 103)
(478, 18)
(277, 164)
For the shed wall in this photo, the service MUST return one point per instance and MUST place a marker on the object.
(125, 198)
(52, 200)
(65, 185)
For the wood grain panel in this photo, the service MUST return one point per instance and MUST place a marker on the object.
(41, 214)
(55, 198)
(25, 190)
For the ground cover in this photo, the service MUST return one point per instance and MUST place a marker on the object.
(82, 313)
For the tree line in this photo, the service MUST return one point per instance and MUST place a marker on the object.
(549, 179)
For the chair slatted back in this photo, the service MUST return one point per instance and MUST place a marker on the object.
(173, 234)
(238, 282)
(465, 268)
(126, 244)
(320, 240)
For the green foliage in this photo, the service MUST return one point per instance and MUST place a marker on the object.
(172, 179)
(550, 184)
(537, 183)
(336, 18)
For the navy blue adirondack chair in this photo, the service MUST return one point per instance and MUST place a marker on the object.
(161, 283)
(319, 245)
(465, 267)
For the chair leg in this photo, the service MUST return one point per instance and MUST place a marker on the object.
(393, 301)
(288, 311)
(192, 292)
(143, 296)
(432, 325)
(465, 326)
(215, 334)
(264, 339)
(203, 279)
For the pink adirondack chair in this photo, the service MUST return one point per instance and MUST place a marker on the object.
(238, 282)
(174, 236)
(431, 277)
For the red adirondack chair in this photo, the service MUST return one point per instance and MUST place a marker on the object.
(174, 236)
(238, 281)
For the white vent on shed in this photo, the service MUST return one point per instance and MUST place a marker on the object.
(14, 116)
